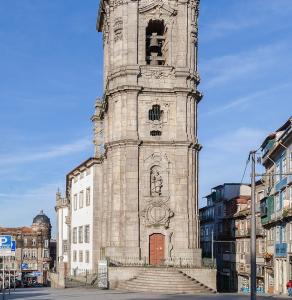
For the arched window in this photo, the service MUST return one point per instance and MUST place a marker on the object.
(155, 43)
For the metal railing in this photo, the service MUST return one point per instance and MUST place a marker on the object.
(178, 262)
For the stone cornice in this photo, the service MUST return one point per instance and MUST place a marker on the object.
(129, 88)
(83, 166)
(130, 142)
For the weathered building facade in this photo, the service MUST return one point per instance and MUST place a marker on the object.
(145, 175)
(276, 208)
(148, 194)
(219, 231)
(32, 257)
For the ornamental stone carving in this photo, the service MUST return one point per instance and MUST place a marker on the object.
(156, 181)
(118, 29)
(158, 73)
(117, 3)
(157, 214)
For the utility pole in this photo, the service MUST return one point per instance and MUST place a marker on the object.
(3, 278)
(253, 266)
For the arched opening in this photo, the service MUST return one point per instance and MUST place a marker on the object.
(156, 46)
(155, 113)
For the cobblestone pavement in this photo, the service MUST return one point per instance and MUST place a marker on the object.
(91, 294)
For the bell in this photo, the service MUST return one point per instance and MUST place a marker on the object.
(154, 41)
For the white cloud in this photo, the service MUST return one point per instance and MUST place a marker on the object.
(256, 14)
(35, 155)
(241, 140)
(225, 69)
(246, 100)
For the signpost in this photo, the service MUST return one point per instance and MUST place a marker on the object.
(13, 249)
(5, 250)
(102, 279)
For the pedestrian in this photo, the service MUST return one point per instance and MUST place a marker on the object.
(289, 287)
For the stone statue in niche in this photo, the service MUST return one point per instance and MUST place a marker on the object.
(156, 182)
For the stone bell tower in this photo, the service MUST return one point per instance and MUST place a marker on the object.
(148, 205)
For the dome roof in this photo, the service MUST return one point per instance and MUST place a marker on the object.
(41, 218)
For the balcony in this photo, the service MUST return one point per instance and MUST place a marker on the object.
(281, 250)
(281, 184)
(247, 232)
(284, 213)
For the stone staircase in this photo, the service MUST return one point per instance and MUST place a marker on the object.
(165, 280)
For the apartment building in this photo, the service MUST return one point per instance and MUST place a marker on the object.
(276, 207)
(32, 258)
(218, 223)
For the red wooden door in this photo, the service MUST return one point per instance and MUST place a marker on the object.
(156, 248)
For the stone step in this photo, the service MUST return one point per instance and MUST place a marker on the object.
(167, 291)
(169, 288)
(163, 280)
(153, 281)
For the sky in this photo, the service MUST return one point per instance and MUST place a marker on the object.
(51, 73)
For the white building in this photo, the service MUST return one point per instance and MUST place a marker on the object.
(76, 221)
(62, 210)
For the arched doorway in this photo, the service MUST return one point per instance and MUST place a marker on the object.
(156, 249)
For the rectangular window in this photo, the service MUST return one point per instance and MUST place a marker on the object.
(33, 242)
(65, 246)
(80, 234)
(278, 170)
(74, 255)
(277, 202)
(33, 254)
(75, 202)
(81, 198)
(87, 196)
(283, 195)
(46, 254)
(46, 243)
(283, 233)
(80, 256)
(86, 234)
(87, 256)
(277, 234)
(75, 235)
(25, 241)
(284, 167)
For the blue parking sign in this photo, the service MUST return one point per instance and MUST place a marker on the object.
(5, 242)
(13, 246)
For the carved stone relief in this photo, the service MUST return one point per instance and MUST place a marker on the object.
(156, 181)
(159, 124)
(157, 73)
(157, 211)
(157, 214)
(118, 29)
(117, 3)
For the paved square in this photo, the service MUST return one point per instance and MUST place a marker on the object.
(92, 294)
